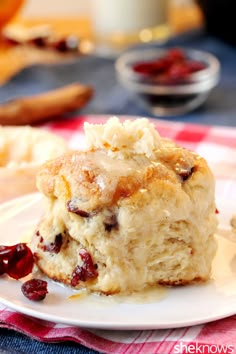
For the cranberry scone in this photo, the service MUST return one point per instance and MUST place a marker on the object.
(131, 211)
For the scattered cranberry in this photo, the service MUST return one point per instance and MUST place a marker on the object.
(53, 247)
(35, 289)
(217, 211)
(40, 41)
(65, 44)
(17, 260)
(171, 68)
(72, 208)
(88, 270)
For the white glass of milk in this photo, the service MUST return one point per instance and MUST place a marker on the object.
(126, 17)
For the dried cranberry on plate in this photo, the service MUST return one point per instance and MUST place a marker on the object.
(16, 260)
(35, 289)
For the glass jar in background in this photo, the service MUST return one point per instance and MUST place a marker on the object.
(8, 9)
(117, 24)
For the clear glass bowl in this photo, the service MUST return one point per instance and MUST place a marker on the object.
(165, 99)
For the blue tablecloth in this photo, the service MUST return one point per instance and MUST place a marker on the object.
(110, 98)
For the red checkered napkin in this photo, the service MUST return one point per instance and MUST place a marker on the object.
(218, 146)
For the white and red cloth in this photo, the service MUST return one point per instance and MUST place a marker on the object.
(218, 146)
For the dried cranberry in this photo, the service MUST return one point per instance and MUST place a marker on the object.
(35, 289)
(195, 66)
(2, 267)
(181, 70)
(175, 54)
(178, 72)
(144, 68)
(79, 273)
(17, 260)
(88, 270)
(66, 44)
(184, 174)
(20, 262)
(217, 211)
(161, 65)
(40, 41)
(53, 247)
(72, 208)
(171, 68)
(87, 259)
(5, 251)
(152, 67)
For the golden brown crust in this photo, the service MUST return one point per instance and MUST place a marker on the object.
(95, 180)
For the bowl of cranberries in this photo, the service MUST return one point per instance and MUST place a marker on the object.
(171, 81)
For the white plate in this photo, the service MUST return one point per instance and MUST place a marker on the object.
(177, 307)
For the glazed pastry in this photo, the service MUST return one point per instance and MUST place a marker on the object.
(132, 211)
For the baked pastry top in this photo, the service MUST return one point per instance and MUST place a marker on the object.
(131, 211)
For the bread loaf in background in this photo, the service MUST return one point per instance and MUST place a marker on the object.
(22, 150)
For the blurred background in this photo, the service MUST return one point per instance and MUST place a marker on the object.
(55, 8)
(34, 8)
(19, 19)
(182, 13)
